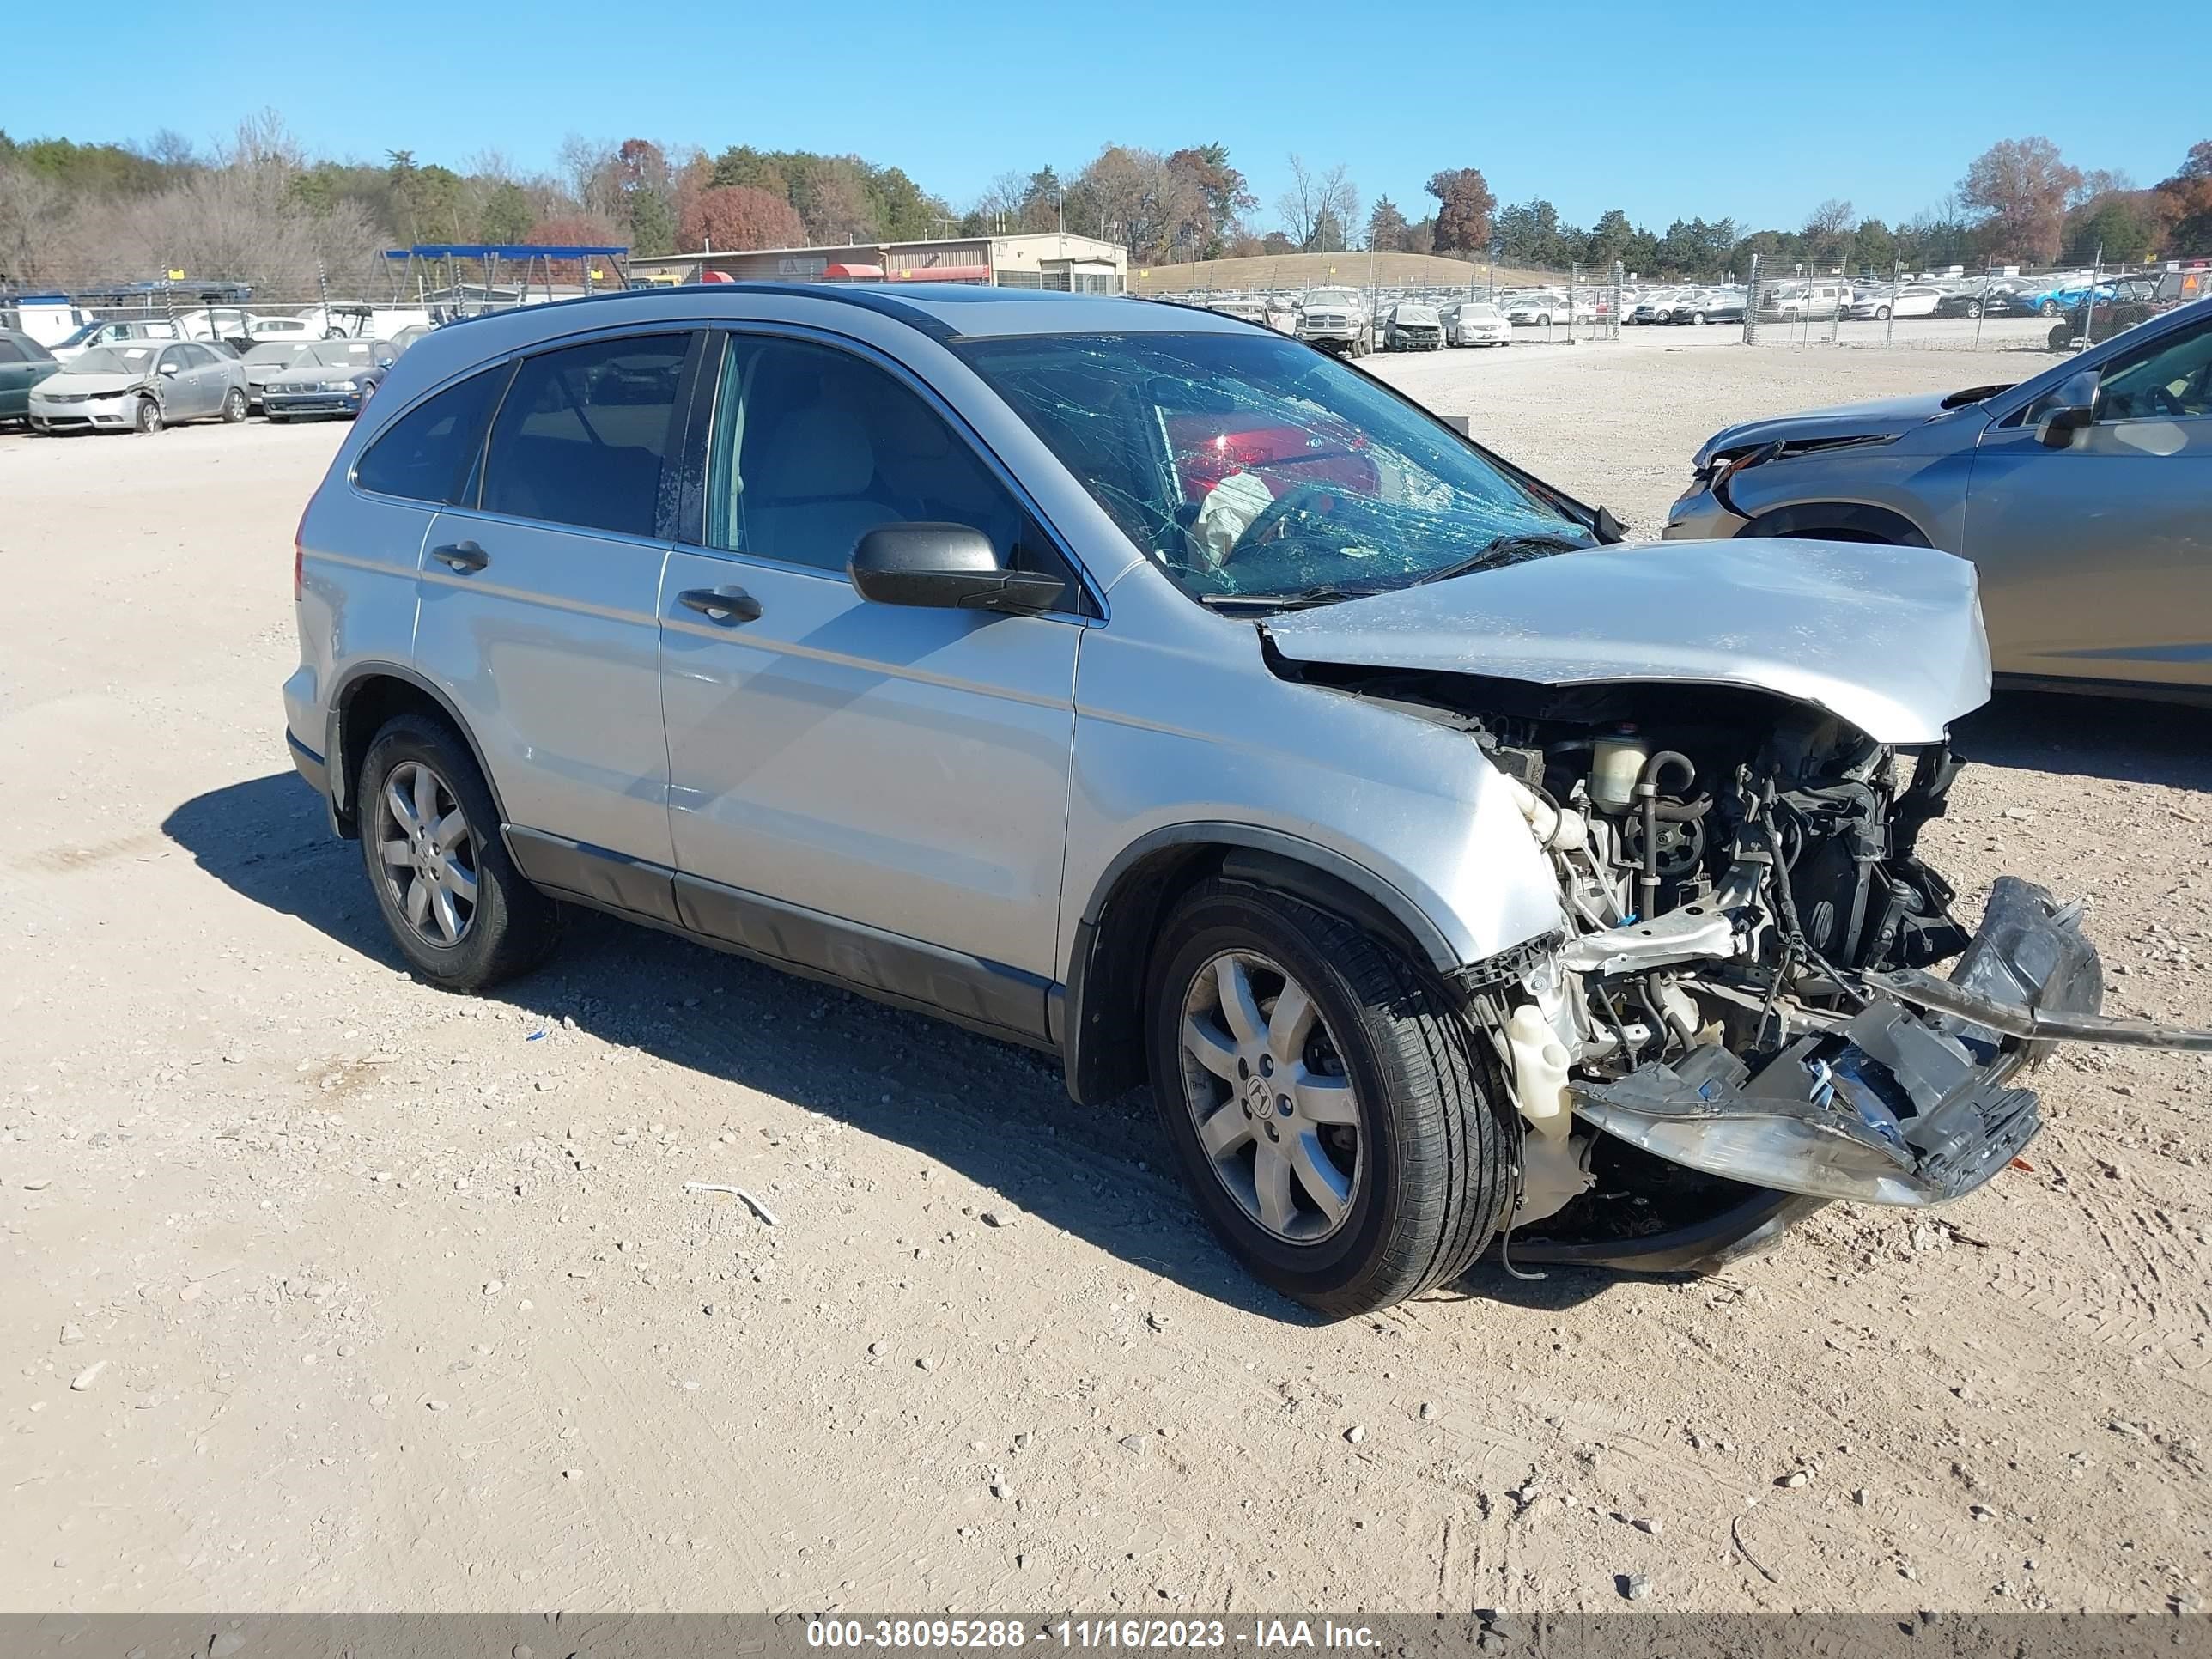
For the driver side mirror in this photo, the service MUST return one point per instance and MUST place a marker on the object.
(2072, 407)
(172, 368)
(946, 567)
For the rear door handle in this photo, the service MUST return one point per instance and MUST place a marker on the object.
(462, 557)
(727, 607)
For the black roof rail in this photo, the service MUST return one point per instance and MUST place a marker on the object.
(868, 299)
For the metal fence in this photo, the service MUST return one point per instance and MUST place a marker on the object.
(1998, 308)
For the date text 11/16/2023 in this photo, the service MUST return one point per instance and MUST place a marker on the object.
(1085, 1634)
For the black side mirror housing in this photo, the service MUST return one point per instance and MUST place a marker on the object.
(2073, 406)
(946, 567)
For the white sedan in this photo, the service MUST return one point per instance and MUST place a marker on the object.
(1477, 323)
(1542, 310)
(1881, 304)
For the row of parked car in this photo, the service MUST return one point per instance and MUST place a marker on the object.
(140, 376)
(2052, 295)
(1347, 320)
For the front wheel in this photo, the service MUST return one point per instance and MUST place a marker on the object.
(1973, 308)
(150, 415)
(461, 912)
(1336, 1123)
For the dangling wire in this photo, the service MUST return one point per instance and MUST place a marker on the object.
(1505, 1239)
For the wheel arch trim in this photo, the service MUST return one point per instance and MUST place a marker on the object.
(1295, 850)
(343, 762)
(1089, 1021)
(1811, 519)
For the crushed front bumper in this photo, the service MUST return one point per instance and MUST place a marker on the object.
(1910, 1101)
(310, 403)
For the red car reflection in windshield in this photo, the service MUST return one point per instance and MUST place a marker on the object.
(1209, 447)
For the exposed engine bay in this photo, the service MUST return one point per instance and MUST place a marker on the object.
(1741, 984)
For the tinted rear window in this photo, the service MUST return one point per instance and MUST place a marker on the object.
(580, 437)
(426, 453)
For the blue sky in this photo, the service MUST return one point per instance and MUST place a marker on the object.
(1883, 106)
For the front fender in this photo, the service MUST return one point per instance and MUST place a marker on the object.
(1171, 742)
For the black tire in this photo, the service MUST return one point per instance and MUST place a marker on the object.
(1973, 308)
(513, 927)
(149, 417)
(234, 407)
(2048, 307)
(1434, 1171)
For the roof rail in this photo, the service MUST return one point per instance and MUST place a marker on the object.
(868, 299)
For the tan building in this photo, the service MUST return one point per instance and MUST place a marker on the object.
(1080, 265)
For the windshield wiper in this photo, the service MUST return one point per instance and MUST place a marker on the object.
(1510, 548)
(1322, 594)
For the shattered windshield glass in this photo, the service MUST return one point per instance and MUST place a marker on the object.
(1255, 468)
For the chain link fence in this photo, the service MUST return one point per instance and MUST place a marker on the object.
(1995, 309)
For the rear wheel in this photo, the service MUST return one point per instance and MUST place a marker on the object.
(1336, 1124)
(234, 407)
(459, 911)
(2048, 307)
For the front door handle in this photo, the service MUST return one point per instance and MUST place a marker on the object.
(464, 556)
(727, 606)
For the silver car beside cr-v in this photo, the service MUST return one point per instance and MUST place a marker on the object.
(2082, 497)
(1140, 684)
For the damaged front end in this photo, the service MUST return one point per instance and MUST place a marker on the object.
(1742, 985)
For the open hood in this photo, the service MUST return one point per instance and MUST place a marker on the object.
(1886, 638)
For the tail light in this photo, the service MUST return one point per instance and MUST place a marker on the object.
(300, 555)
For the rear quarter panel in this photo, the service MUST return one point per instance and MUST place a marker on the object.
(360, 556)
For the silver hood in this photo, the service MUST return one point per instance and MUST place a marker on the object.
(1886, 638)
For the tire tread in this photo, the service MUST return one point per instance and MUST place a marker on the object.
(1456, 1145)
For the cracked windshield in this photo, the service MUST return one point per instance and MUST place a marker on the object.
(1256, 470)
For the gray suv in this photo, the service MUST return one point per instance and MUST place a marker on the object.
(2083, 497)
(1140, 684)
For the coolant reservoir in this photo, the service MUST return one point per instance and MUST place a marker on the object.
(1540, 1071)
(1618, 763)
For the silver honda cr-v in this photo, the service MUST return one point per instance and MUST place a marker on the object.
(1141, 684)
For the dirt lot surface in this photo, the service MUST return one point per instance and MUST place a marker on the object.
(325, 1289)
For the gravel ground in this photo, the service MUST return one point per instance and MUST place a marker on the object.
(327, 1291)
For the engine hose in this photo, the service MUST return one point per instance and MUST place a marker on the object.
(1647, 792)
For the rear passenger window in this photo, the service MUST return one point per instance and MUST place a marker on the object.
(429, 450)
(579, 439)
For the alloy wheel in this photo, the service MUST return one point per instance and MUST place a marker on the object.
(1265, 1084)
(429, 854)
